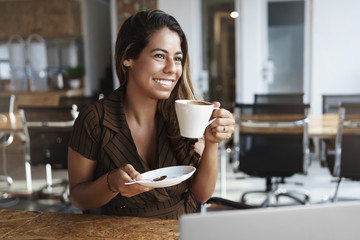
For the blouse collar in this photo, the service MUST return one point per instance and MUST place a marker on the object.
(114, 116)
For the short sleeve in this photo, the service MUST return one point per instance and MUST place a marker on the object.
(86, 135)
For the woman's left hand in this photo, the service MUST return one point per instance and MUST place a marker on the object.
(222, 128)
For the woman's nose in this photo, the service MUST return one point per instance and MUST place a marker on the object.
(170, 66)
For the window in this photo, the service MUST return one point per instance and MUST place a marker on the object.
(219, 50)
(4, 62)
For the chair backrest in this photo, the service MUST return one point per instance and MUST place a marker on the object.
(347, 143)
(48, 130)
(79, 101)
(273, 139)
(331, 103)
(7, 103)
(280, 98)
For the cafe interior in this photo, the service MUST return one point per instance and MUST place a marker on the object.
(288, 70)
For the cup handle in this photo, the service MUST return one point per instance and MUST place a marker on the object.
(210, 122)
(212, 119)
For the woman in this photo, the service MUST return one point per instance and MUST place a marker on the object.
(135, 129)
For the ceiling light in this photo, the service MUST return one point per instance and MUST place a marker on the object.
(234, 14)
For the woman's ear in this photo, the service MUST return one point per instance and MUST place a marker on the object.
(126, 63)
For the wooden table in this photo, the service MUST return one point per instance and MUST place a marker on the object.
(320, 125)
(15, 224)
(44, 98)
(323, 125)
(12, 124)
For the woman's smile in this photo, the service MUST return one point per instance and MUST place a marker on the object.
(164, 82)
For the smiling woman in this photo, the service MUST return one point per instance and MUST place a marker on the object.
(157, 69)
(134, 130)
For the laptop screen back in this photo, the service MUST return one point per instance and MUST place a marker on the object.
(320, 222)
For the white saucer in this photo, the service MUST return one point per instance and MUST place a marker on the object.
(175, 175)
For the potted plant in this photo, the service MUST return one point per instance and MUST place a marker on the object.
(75, 74)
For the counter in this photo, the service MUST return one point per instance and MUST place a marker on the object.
(46, 98)
(16, 224)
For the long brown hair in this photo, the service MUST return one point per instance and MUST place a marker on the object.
(132, 38)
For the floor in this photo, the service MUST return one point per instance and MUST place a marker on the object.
(318, 182)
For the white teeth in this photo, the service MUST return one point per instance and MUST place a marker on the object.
(163, 82)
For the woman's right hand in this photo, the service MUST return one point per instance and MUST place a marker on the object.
(123, 174)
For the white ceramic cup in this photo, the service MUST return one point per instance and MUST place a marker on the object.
(193, 117)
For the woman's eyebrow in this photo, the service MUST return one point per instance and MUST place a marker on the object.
(165, 51)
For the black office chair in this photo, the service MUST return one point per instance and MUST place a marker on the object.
(283, 98)
(344, 160)
(6, 106)
(279, 98)
(48, 131)
(273, 144)
(331, 102)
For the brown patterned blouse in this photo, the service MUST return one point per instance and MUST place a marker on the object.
(101, 134)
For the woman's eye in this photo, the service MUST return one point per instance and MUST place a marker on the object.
(161, 56)
(178, 59)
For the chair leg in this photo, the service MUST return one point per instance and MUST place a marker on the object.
(229, 203)
(323, 153)
(5, 176)
(27, 162)
(336, 190)
(48, 175)
(65, 194)
(49, 190)
(290, 194)
(277, 192)
(267, 191)
(28, 176)
(243, 197)
(266, 202)
(9, 200)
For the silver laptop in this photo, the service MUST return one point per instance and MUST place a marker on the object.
(319, 222)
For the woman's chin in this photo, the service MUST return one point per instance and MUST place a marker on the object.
(163, 95)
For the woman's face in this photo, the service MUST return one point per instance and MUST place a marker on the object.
(158, 68)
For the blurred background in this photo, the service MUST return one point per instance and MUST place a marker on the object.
(237, 47)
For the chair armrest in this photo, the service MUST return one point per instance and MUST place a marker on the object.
(50, 124)
(264, 124)
(351, 124)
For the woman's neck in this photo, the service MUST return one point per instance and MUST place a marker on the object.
(138, 110)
